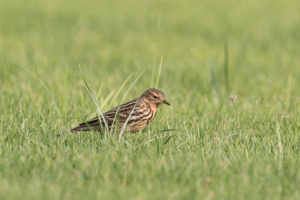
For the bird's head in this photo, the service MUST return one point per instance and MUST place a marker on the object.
(155, 96)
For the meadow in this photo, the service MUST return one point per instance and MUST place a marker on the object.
(230, 69)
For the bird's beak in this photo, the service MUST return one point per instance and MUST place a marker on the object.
(165, 102)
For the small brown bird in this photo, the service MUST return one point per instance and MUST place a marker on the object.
(137, 114)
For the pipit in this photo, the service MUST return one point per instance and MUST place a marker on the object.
(135, 114)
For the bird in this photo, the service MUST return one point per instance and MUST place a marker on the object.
(135, 114)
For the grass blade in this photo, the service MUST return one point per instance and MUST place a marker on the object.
(214, 83)
(124, 96)
(225, 66)
(94, 98)
(159, 72)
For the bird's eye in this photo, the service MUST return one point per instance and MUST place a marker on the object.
(155, 97)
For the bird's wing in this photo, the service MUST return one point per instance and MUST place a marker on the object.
(123, 110)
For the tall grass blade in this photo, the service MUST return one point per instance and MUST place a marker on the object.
(159, 71)
(121, 88)
(152, 74)
(94, 98)
(117, 115)
(214, 83)
(225, 66)
(280, 146)
(100, 89)
(124, 96)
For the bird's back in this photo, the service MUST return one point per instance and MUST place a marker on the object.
(136, 113)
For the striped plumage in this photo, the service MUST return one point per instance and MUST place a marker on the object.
(137, 113)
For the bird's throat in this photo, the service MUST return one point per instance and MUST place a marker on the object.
(153, 106)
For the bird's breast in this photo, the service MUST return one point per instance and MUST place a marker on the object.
(141, 117)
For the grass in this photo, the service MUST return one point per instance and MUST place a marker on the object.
(230, 69)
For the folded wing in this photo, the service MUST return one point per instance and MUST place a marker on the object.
(119, 113)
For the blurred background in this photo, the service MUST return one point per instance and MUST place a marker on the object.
(112, 39)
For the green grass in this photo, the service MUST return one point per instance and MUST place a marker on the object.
(230, 69)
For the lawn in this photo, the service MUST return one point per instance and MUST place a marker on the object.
(230, 69)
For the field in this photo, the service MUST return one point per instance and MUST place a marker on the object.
(230, 69)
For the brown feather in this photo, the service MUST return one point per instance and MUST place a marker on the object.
(141, 111)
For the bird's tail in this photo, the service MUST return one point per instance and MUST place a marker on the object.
(79, 128)
(84, 127)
